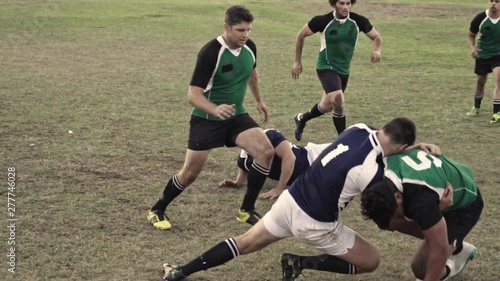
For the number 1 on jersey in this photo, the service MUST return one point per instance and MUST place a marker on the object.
(334, 153)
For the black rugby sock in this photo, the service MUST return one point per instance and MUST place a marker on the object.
(173, 189)
(477, 102)
(496, 106)
(327, 263)
(219, 254)
(339, 121)
(256, 178)
(315, 111)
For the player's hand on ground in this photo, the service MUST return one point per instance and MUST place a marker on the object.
(225, 111)
(375, 56)
(263, 110)
(474, 52)
(296, 70)
(272, 194)
(229, 183)
(447, 198)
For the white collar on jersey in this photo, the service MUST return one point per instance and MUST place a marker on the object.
(494, 21)
(341, 21)
(222, 41)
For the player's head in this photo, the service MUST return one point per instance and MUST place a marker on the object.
(381, 202)
(237, 14)
(401, 132)
(237, 26)
(494, 5)
(333, 2)
(342, 7)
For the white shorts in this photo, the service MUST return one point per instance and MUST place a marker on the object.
(287, 219)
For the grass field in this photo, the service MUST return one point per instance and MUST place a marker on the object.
(116, 73)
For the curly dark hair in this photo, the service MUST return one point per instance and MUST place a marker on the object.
(333, 2)
(378, 203)
(237, 14)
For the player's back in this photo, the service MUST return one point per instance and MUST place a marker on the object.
(341, 172)
(420, 168)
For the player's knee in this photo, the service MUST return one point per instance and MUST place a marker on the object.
(372, 263)
(326, 105)
(187, 176)
(266, 153)
(247, 244)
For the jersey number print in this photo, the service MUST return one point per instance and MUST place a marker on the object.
(334, 153)
(425, 162)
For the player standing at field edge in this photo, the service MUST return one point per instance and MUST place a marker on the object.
(487, 55)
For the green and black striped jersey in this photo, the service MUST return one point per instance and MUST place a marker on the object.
(423, 178)
(420, 168)
(338, 39)
(489, 34)
(224, 74)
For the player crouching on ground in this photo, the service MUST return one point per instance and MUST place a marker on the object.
(415, 181)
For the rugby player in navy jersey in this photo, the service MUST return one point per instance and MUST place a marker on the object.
(310, 209)
(288, 162)
(339, 32)
(224, 68)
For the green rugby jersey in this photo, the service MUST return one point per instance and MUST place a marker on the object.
(338, 40)
(224, 74)
(416, 167)
(489, 34)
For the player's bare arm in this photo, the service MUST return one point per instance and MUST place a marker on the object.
(283, 151)
(377, 45)
(198, 100)
(299, 46)
(253, 82)
(447, 198)
(471, 39)
(240, 179)
(436, 238)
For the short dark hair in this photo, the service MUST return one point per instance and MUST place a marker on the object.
(401, 130)
(237, 14)
(378, 203)
(333, 2)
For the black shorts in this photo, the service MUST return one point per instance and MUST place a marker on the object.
(460, 222)
(485, 66)
(207, 134)
(331, 80)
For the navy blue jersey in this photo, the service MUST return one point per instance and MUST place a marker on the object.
(343, 170)
(302, 156)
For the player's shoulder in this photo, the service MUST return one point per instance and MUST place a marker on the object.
(357, 130)
(480, 16)
(272, 132)
(212, 46)
(275, 136)
(251, 45)
(395, 159)
(322, 19)
(357, 17)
